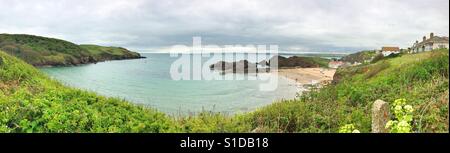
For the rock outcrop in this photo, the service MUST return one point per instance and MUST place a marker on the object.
(244, 66)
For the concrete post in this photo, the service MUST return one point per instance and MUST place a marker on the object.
(380, 116)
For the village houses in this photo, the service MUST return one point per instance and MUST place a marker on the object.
(428, 44)
(386, 51)
(335, 64)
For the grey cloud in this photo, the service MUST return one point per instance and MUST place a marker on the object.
(297, 25)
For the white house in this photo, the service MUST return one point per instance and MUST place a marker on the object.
(386, 51)
(434, 42)
(335, 64)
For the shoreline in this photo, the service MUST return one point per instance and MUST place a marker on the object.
(301, 78)
(73, 65)
(307, 76)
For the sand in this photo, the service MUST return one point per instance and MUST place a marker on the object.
(308, 75)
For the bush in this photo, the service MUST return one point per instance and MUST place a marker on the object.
(403, 116)
(376, 68)
(377, 58)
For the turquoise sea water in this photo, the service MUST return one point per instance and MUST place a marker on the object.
(148, 82)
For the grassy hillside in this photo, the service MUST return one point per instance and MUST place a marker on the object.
(42, 51)
(31, 102)
(102, 53)
(360, 57)
(422, 79)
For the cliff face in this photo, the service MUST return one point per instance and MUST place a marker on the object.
(42, 51)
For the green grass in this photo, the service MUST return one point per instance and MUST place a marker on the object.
(97, 50)
(305, 62)
(322, 62)
(42, 51)
(360, 57)
(109, 53)
(420, 78)
(31, 102)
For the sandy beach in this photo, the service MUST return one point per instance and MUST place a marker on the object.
(308, 75)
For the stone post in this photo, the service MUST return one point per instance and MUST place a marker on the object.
(380, 116)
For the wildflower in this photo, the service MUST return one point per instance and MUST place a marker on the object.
(408, 108)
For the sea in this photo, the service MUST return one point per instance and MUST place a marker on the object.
(150, 82)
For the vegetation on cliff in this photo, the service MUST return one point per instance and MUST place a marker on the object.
(42, 51)
(303, 62)
(360, 57)
(422, 79)
(101, 53)
(31, 102)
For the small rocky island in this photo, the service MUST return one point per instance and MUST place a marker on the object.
(264, 66)
(242, 66)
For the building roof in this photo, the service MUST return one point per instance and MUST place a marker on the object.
(390, 49)
(435, 39)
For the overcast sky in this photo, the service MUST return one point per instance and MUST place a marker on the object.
(294, 25)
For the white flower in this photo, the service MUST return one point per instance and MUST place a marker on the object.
(408, 108)
(403, 124)
(398, 108)
(389, 124)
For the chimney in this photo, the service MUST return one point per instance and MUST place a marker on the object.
(424, 38)
(431, 35)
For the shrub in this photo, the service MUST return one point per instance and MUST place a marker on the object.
(377, 58)
(402, 117)
(376, 68)
(348, 128)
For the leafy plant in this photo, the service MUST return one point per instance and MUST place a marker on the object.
(348, 128)
(403, 117)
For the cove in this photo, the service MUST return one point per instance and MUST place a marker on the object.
(148, 82)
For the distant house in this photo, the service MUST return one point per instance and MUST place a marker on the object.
(434, 42)
(386, 51)
(335, 64)
(356, 63)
